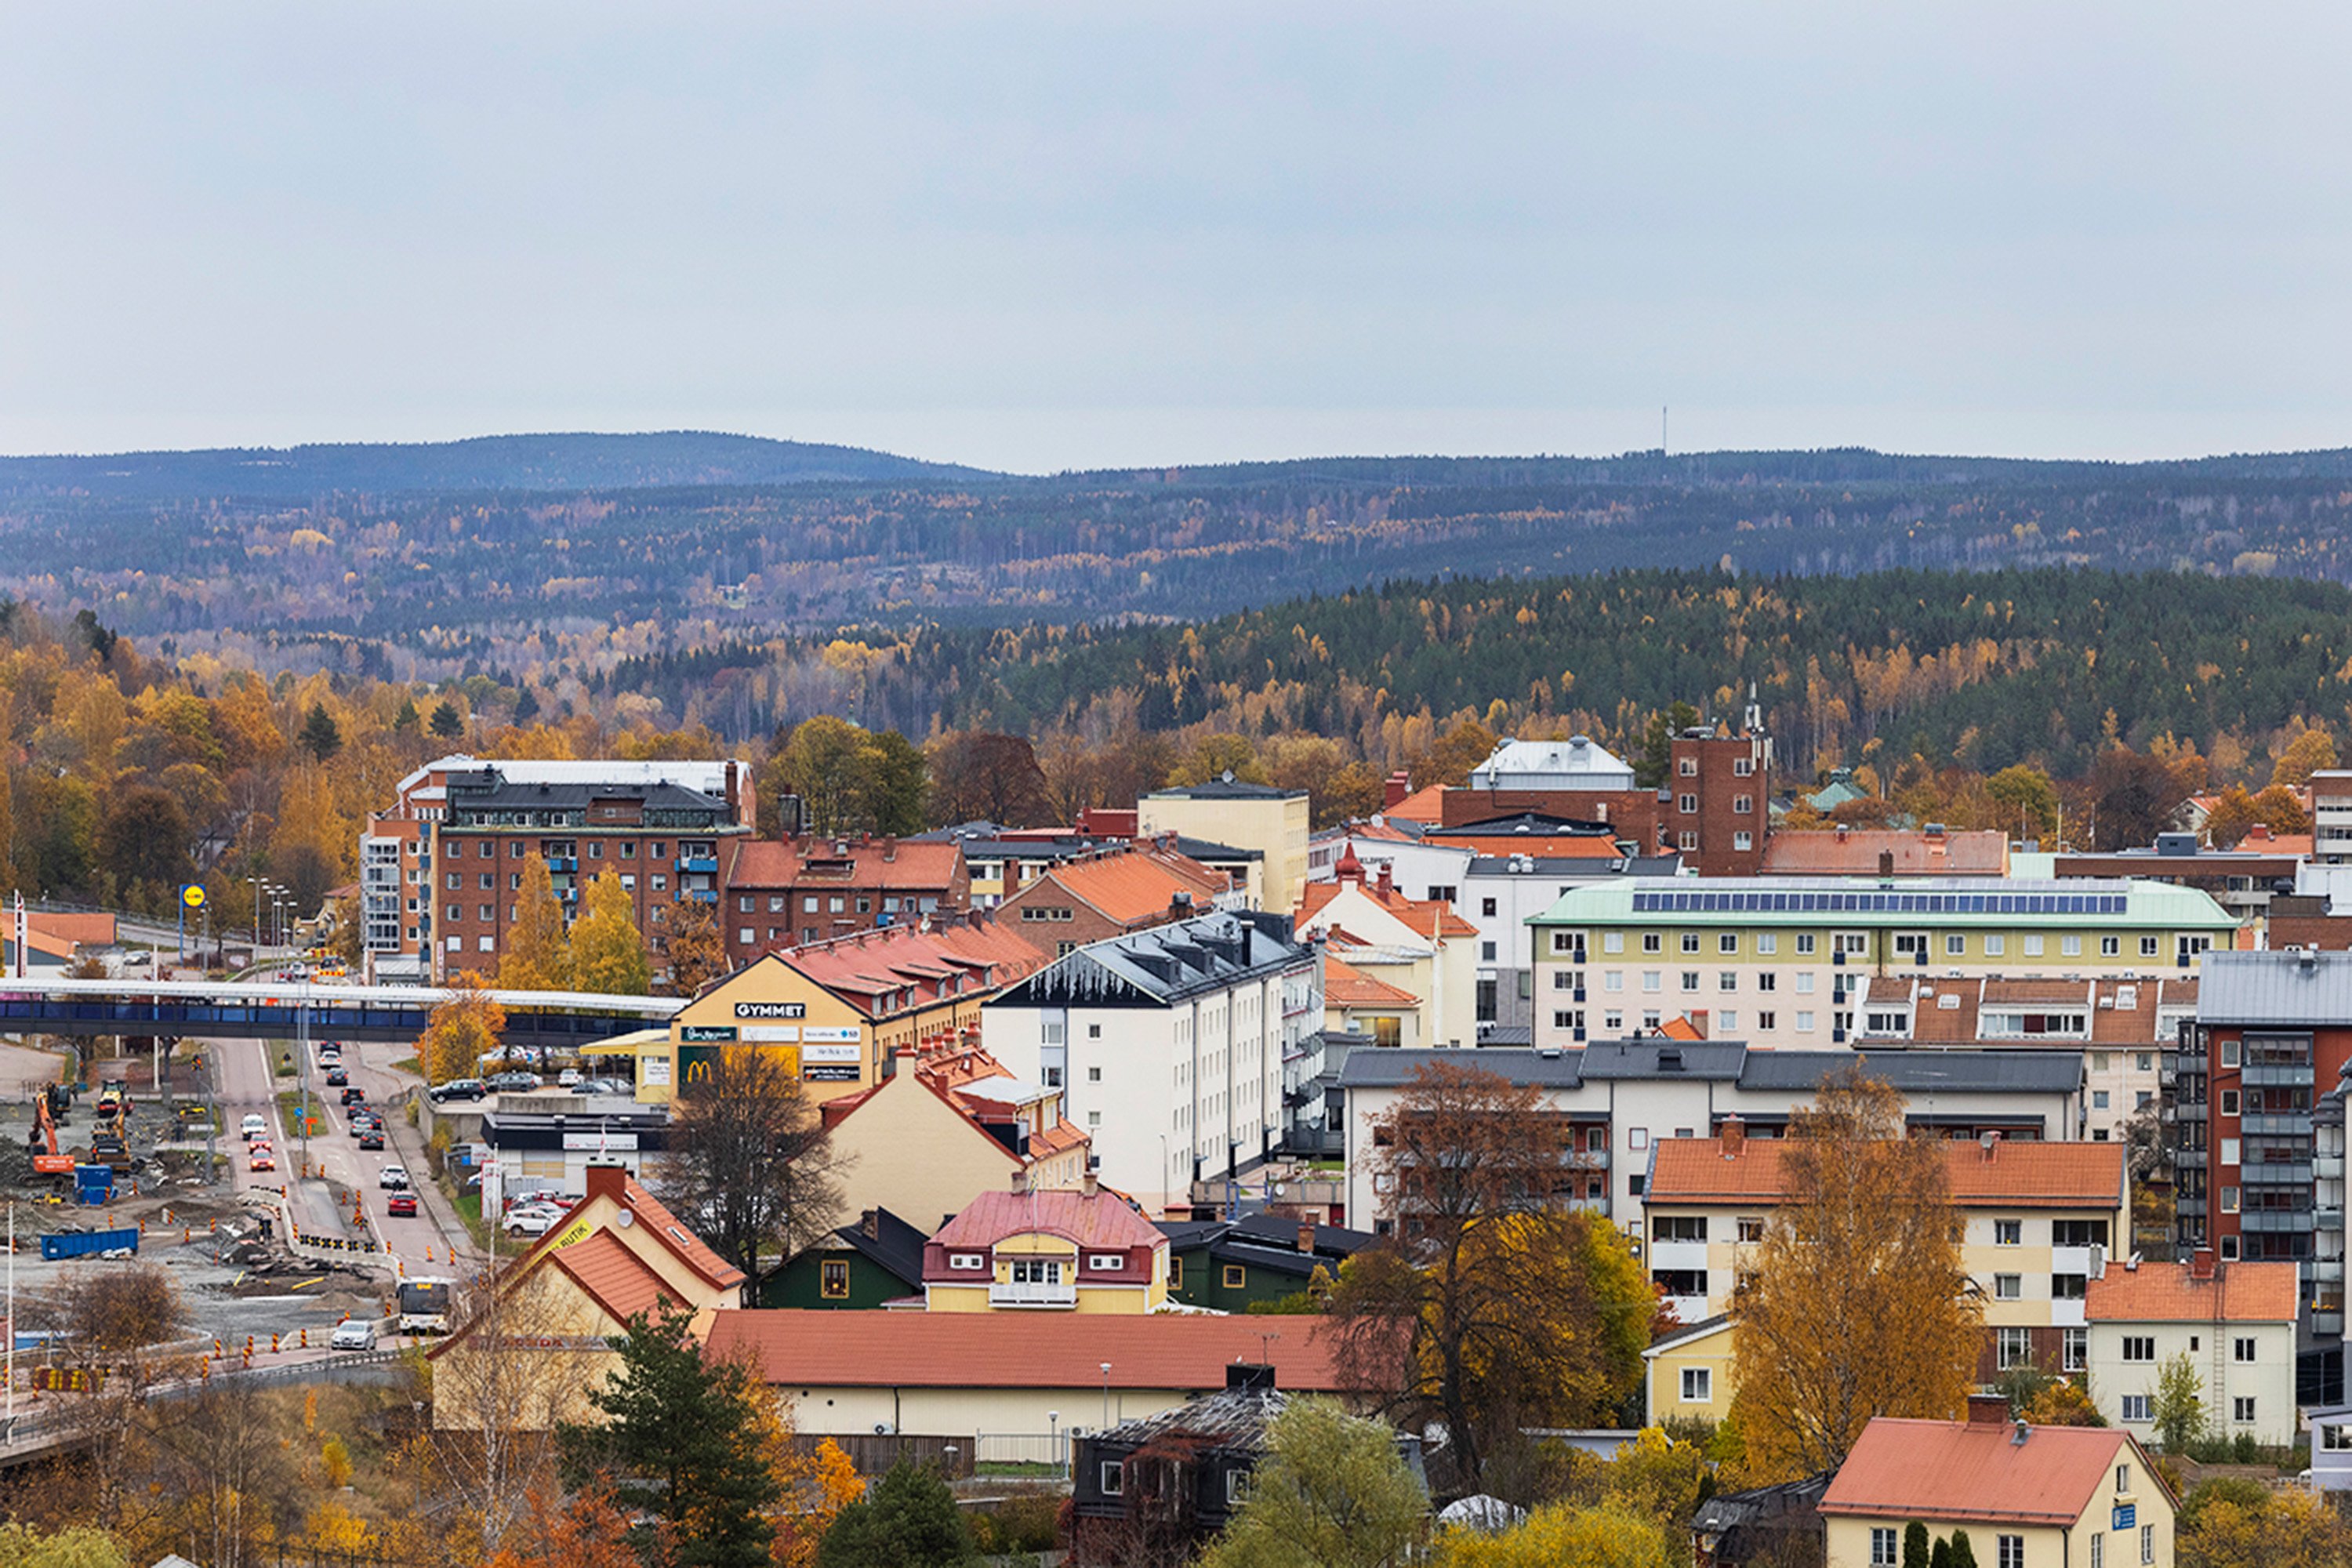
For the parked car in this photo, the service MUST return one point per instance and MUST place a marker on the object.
(401, 1205)
(507, 1081)
(568, 1079)
(530, 1222)
(600, 1086)
(253, 1127)
(354, 1335)
(392, 1176)
(139, 960)
(456, 1089)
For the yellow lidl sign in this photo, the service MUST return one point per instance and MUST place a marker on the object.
(193, 896)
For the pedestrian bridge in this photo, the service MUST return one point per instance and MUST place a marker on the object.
(287, 1010)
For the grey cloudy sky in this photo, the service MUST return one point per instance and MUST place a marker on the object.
(1037, 236)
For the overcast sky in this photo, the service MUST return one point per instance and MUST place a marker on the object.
(1038, 237)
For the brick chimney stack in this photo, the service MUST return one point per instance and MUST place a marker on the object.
(1735, 1138)
(1306, 1235)
(2200, 1264)
(1988, 1410)
(1396, 790)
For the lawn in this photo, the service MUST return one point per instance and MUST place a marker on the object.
(409, 1065)
(469, 1210)
(290, 1111)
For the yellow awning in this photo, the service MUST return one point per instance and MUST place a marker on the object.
(628, 1044)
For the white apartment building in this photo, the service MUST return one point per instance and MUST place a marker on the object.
(2234, 1321)
(1786, 962)
(1168, 1045)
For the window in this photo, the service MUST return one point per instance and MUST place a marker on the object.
(1883, 1549)
(1995, 945)
(1698, 1385)
(1236, 1277)
(2099, 1551)
(2140, 1347)
(1768, 942)
(628, 848)
(2336, 1438)
(1485, 906)
(2148, 947)
(1612, 941)
(1653, 941)
(1956, 946)
(1804, 982)
(2148, 1544)
(2242, 1349)
(834, 1283)
(1612, 980)
(1727, 1021)
(2134, 1407)
(1238, 1486)
(2228, 1199)
(2241, 1408)
(1105, 1262)
(1688, 840)
(743, 937)
(1112, 1478)
(2033, 945)
(1686, 767)
(2111, 947)
(2098, 1099)
(1743, 804)
(1686, 804)
(1175, 1273)
(1652, 979)
(1690, 942)
(1612, 1020)
(1767, 1022)
(2015, 1347)
(1726, 980)
(1637, 1138)
(1765, 980)
(2228, 1102)
(2070, 946)
(1804, 1023)
(2074, 1349)
(2010, 1551)
(2229, 1250)
(2069, 1287)
(1752, 1229)
(1690, 979)
(1679, 1228)
(2009, 1287)
(2078, 1233)
(1728, 943)
(2008, 1232)
(966, 1260)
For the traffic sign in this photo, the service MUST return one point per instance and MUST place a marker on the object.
(193, 896)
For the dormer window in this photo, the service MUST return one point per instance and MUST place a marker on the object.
(1105, 1262)
(968, 1261)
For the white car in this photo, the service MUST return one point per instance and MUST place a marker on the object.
(354, 1335)
(568, 1079)
(530, 1222)
(393, 1178)
(253, 1127)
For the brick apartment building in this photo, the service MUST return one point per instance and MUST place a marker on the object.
(2272, 1040)
(783, 893)
(441, 869)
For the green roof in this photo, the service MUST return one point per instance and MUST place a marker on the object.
(1942, 903)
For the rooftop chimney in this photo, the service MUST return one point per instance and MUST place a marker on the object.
(1988, 1410)
(1886, 862)
(1394, 791)
(1734, 1137)
(733, 793)
(1841, 831)
(1387, 878)
(1306, 1235)
(2200, 1264)
(890, 846)
(1089, 1186)
(1021, 1179)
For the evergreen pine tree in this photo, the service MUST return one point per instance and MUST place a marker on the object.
(409, 721)
(909, 1520)
(1963, 1554)
(677, 1442)
(446, 724)
(1915, 1548)
(1940, 1556)
(321, 736)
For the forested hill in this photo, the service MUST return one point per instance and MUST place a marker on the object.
(529, 464)
(1985, 669)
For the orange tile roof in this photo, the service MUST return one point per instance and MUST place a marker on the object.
(2023, 1175)
(656, 1220)
(1137, 883)
(1426, 917)
(1102, 1220)
(1551, 846)
(813, 1348)
(1345, 985)
(1680, 1028)
(945, 1075)
(1856, 853)
(615, 1278)
(1424, 805)
(875, 863)
(2167, 1293)
(1964, 1472)
(862, 966)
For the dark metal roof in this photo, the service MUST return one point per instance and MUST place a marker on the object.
(1163, 964)
(895, 1246)
(1652, 1057)
(1922, 1072)
(1226, 788)
(1572, 865)
(1231, 1418)
(1395, 1066)
(1535, 824)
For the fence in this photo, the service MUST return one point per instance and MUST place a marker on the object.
(1023, 1453)
(873, 1453)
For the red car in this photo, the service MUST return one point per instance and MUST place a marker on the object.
(401, 1205)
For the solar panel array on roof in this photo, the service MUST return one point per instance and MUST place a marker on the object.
(1855, 902)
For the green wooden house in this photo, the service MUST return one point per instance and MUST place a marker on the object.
(862, 1266)
(1230, 1264)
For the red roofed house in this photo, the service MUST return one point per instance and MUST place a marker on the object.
(969, 1373)
(1363, 1003)
(2038, 1220)
(1126, 888)
(2028, 1497)
(617, 1253)
(2234, 1321)
(1420, 947)
(787, 893)
(945, 1126)
(1087, 1251)
(1930, 851)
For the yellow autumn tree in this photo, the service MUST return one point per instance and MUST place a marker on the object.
(1560, 1536)
(462, 1031)
(537, 952)
(608, 955)
(1858, 1304)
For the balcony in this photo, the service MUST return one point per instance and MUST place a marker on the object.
(2067, 1314)
(699, 863)
(2284, 1222)
(1687, 1308)
(2188, 1208)
(2280, 1075)
(1033, 1295)
(698, 895)
(2327, 1270)
(2328, 1219)
(1585, 1160)
(1679, 1255)
(2276, 1124)
(558, 863)
(2276, 1173)
(2328, 1167)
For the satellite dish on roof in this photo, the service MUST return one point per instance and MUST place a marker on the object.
(1228, 775)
